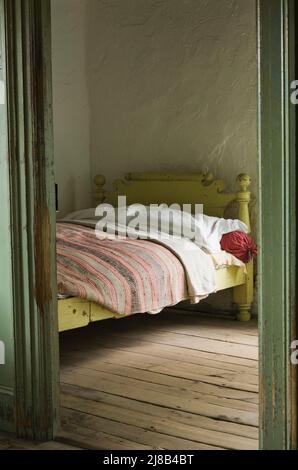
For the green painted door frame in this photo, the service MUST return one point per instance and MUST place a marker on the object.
(6, 296)
(29, 380)
(277, 224)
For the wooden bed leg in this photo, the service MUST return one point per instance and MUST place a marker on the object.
(243, 295)
(244, 313)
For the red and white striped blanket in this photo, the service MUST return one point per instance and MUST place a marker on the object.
(123, 275)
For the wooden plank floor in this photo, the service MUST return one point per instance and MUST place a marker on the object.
(10, 442)
(171, 381)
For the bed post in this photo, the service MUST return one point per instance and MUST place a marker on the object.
(99, 192)
(243, 295)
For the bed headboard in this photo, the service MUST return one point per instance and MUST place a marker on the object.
(181, 188)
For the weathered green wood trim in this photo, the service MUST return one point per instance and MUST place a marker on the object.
(7, 370)
(291, 221)
(276, 224)
(28, 42)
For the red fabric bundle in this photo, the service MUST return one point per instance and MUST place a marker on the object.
(240, 245)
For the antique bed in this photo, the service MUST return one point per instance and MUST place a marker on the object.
(169, 188)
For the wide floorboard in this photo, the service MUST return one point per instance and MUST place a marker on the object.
(172, 381)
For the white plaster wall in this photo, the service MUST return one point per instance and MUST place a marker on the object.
(71, 105)
(172, 85)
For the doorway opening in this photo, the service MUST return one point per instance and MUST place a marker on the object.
(155, 130)
(130, 97)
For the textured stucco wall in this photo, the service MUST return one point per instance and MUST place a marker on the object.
(71, 104)
(172, 86)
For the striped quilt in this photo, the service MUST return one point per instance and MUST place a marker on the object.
(123, 275)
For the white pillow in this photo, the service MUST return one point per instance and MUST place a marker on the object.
(213, 228)
(204, 230)
(165, 220)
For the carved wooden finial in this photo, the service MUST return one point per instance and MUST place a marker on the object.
(208, 177)
(243, 181)
(243, 198)
(99, 180)
(99, 193)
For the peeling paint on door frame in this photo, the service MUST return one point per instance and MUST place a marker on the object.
(32, 194)
(277, 225)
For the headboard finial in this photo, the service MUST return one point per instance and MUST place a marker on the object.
(99, 193)
(243, 181)
(208, 177)
(243, 198)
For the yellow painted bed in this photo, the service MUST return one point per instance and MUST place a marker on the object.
(169, 188)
